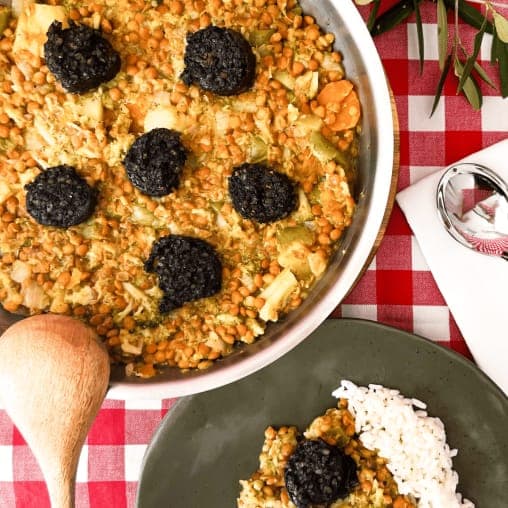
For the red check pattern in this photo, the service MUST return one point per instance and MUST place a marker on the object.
(397, 289)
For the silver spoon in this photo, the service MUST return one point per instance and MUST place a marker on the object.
(472, 202)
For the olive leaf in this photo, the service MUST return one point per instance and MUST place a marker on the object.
(483, 74)
(373, 14)
(503, 70)
(499, 54)
(480, 70)
(419, 31)
(469, 14)
(440, 85)
(468, 67)
(501, 25)
(442, 33)
(471, 89)
(393, 17)
(494, 51)
(467, 63)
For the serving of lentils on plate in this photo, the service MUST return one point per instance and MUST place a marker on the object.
(325, 466)
(175, 173)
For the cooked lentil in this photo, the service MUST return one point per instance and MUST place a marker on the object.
(374, 486)
(95, 270)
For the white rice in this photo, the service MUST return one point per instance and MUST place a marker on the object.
(413, 443)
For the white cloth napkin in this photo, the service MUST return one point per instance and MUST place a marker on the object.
(474, 285)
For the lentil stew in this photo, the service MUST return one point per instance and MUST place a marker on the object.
(301, 116)
(374, 486)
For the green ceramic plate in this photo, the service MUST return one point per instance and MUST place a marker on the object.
(211, 440)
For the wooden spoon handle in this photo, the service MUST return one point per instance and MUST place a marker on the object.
(53, 378)
(61, 489)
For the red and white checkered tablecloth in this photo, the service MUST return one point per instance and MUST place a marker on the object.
(397, 289)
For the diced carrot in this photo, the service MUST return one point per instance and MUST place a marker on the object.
(349, 113)
(335, 91)
(339, 98)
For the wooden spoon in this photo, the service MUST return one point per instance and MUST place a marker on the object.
(54, 375)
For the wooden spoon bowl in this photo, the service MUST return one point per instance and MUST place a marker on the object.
(54, 375)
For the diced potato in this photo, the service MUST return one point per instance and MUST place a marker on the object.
(307, 84)
(293, 113)
(34, 296)
(57, 304)
(216, 343)
(277, 294)
(221, 122)
(228, 319)
(33, 24)
(141, 215)
(44, 129)
(255, 327)
(294, 256)
(133, 349)
(162, 117)
(15, 114)
(83, 296)
(18, 6)
(304, 211)
(305, 125)
(89, 110)
(317, 263)
(33, 140)
(245, 105)
(20, 271)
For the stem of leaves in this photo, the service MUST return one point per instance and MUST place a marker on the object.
(419, 31)
(463, 63)
(373, 14)
(468, 14)
(440, 85)
(469, 65)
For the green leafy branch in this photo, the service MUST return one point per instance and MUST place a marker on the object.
(454, 56)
